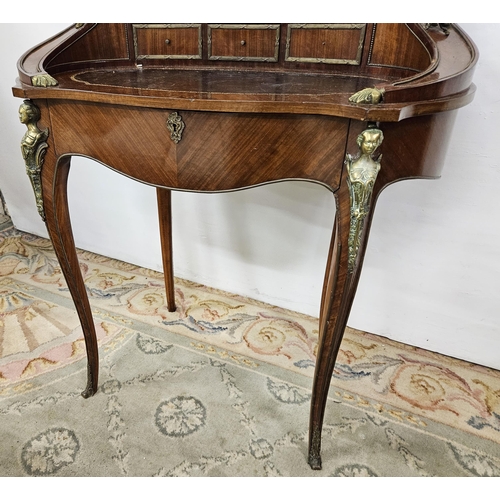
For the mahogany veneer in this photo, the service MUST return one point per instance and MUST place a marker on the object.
(214, 107)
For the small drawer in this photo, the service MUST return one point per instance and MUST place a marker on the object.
(244, 42)
(167, 41)
(325, 43)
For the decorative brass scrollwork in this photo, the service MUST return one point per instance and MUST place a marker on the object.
(362, 172)
(176, 126)
(33, 148)
(367, 96)
(43, 80)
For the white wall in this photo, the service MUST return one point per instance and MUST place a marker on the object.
(432, 271)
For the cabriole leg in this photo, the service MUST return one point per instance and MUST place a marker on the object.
(49, 178)
(333, 319)
(54, 180)
(355, 203)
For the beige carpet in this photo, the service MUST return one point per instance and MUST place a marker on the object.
(221, 387)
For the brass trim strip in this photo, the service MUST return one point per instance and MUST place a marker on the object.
(353, 62)
(275, 27)
(138, 57)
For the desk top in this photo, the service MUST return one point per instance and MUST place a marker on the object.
(260, 68)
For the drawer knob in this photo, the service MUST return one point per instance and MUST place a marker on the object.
(167, 41)
(243, 42)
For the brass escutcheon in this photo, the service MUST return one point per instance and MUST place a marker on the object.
(176, 126)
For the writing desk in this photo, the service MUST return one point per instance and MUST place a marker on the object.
(220, 107)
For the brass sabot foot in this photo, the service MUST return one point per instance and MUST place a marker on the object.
(88, 392)
(91, 388)
(314, 461)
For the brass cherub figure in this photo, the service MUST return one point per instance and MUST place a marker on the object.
(362, 172)
(33, 147)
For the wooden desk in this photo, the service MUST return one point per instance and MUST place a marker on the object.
(211, 107)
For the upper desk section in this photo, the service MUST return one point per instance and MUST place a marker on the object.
(411, 69)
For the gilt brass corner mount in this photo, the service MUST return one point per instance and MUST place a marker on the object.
(362, 172)
(176, 126)
(33, 148)
(43, 80)
(367, 96)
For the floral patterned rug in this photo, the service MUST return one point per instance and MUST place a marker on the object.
(221, 387)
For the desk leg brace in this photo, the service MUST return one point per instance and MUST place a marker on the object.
(355, 203)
